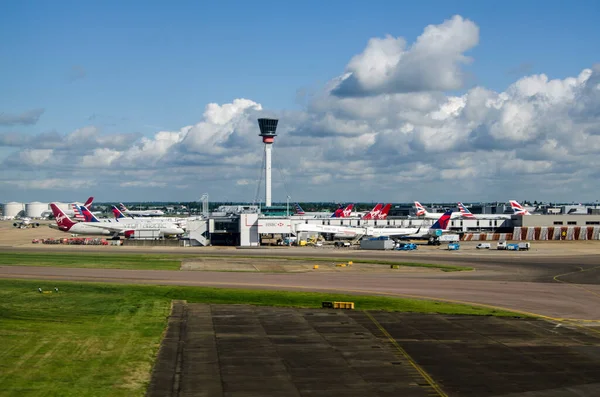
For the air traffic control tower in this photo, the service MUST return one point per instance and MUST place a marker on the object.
(267, 131)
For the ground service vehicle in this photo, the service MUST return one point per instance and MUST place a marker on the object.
(453, 246)
(484, 246)
(406, 247)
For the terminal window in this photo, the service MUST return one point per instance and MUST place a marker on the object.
(592, 223)
(571, 222)
(558, 222)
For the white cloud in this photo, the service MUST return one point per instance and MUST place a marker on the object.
(432, 63)
(144, 184)
(48, 184)
(397, 135)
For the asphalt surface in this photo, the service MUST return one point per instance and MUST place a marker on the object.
(490, 265)
(556, 300)
(557, 286)
(237, 350)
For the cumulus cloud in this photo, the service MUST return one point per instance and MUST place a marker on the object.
(432, 63)
(28, 117)
(383, 130)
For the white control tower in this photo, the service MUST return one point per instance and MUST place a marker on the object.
(267, 131)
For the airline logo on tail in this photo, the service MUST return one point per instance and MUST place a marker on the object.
(123, 208)
(88, 203)
(384, 212)
(464, 211)
(299, 210)
(118, 214)
(347, 212)
(76, 213)
(518, 208)
(89, 217)
(374, 212)
(62, 220)
(342, 212)
(420, 209)
(443, 222)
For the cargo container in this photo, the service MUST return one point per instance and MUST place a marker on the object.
(377, 244)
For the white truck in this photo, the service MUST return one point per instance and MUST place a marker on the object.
(449, 238)
(524, 246)
(484, 246)
(501, 245)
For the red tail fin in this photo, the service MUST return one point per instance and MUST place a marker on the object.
(62, 220)
(374, 212)
(384, 212)
(88, 203)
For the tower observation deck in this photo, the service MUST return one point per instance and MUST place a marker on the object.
(268, 127)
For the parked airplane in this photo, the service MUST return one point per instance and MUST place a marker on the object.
(25, 223)
(436, 229)
(108, 228)
(465, 213)
(341, 212)
(424, 214)
(181, 222)
(141, 212)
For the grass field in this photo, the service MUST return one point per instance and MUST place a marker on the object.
(91, 260)
(164, 261)
(91, 339)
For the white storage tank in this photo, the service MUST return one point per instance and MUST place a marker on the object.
(35, 209)
(65, 207)
(12, 209)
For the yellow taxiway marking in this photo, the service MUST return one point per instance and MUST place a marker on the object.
(581, 270)
(408, 358)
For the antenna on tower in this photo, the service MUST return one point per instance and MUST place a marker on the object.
(268, 127)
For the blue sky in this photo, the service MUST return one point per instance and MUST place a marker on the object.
(142, 67)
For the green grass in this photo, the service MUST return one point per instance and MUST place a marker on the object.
(92, 339)
(166, 262)
(91, 260)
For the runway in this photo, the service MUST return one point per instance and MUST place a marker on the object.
(559, 280)
(554, 300)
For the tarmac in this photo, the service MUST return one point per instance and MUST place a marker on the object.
(238, 350)
(553, 300)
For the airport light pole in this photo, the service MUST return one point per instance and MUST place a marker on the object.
(287, 207)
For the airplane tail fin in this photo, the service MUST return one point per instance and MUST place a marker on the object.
(123, 208)
(299, 210)
(62, 220)
(374, 212)
(77, 213)
(518, 208)
(339, 213)
(420, 209)
(384, 212)
(443, 222)
(464, 212)
(347, 212)
(89, 217)
(88, 203)
(117, 213)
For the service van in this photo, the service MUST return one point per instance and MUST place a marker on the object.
(484, 246)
